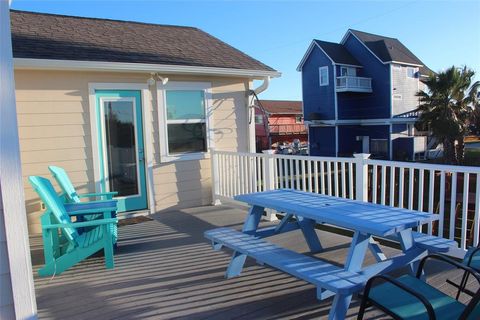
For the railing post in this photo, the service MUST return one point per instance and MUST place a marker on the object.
(361, 176)
(270, 180)
(215, 178)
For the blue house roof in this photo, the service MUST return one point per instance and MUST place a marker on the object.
(338, 53)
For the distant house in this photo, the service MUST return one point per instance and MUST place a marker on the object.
(359, 95)
(278, 121)
(129, 107)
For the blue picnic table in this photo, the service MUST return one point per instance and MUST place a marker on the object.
(308, 209)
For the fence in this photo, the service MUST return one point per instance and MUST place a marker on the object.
(453, 192)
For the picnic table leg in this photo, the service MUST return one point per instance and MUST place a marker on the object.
(407, 242)
(341, 302)
(356, 253)
(250, 226)
(308, 230)
(253, 219)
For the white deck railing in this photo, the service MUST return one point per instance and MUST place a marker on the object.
(439, 189)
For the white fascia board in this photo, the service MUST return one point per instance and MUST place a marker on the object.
(74, 65)
(405, 63)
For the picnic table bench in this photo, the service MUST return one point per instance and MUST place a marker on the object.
(308, 209)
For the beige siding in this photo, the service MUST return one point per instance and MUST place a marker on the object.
(54, 129)
(407, 88)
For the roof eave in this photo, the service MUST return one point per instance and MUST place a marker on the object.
(78, 65)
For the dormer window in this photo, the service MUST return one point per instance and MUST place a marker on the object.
(348, 71)
(323, 76)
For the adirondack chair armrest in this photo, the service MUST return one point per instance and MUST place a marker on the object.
(393, 281)
(449, 261)
(91, 211)
(109, 195)
(91, 223)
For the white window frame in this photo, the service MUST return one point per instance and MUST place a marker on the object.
(349, 73)
(162, 119)
(298, 119)
(320, 76)
(258, 119)
(407, 69)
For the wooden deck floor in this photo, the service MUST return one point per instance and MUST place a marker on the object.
(165, 269)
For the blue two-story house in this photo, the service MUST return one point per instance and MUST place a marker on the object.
(359, 95)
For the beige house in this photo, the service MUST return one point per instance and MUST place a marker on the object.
(129, 107)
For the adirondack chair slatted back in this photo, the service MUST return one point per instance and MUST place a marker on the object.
(47, 193)
(65, 184)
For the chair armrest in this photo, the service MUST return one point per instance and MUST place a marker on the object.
(90, 211)
(99, 194)
(75, 225)
(423, 300)
(449, 261)
(90, 205)
(474, 252)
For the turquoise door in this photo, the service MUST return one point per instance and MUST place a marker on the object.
(121, 147)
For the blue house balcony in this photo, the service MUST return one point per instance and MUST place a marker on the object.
(354, 84)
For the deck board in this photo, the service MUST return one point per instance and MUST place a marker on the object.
(165, 269)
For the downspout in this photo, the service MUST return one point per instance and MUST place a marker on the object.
(251, 113)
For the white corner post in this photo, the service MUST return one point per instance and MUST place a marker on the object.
(17, 293)
(215, 178)
(270, 180)
(361, 176)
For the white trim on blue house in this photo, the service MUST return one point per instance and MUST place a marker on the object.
(307, 54)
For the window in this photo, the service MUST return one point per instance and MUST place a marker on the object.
(411, 72)
(348, 71)
(397, 96)
(323, 76)
(298, 119)
(184, 120)
(258, 119)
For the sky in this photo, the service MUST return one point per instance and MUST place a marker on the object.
(440, 33)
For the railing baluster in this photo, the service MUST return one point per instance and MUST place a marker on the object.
(322, 175)
(297, 174)
(374, 184)
(315, 173)
(441, 210)
(350, 180)
(329, 177)
(463, 238)
(344, 187)
(304, 180)
(476, 224)
(282, 177)
(431, 197)
(309, 168)
(421, 177)
(336, 179)
(392, 186)
(453, 203)
(401, 186)
(383, 185)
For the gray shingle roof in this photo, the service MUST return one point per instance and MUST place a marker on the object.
(389, 49)
(337, 52)
(59, 37)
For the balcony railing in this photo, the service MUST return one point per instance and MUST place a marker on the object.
(452, 192)
(284, 129)
(354, 84)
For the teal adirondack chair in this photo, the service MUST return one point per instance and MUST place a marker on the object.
(472, 260)
(411, 298)
(63, 245)
(69, 191)
(71, 196)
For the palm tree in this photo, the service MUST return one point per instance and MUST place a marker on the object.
(447, 107)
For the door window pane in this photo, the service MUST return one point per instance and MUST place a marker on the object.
(185, 104)
(186, 138)
(120, 146)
